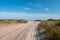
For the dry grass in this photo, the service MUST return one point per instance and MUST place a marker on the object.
(52, 29)
(11, 22)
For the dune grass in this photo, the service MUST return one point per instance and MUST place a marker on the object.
(52, 29)
(12, 20)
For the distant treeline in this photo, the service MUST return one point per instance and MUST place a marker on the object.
(49, 20)
(53, 19)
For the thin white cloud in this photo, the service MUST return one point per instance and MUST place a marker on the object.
(25, 8)
(15, 15)
(46, 9)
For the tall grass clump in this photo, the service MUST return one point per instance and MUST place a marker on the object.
(52, 29)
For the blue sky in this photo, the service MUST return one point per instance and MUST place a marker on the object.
(29, 9)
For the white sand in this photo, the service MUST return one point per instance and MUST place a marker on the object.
(25, 31)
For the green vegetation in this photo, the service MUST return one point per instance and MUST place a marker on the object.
(52, 29)
(50, 19)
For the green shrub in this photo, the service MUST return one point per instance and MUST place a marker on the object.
(22, 21)
(51, 20)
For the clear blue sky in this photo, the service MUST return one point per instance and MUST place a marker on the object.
(29, 9)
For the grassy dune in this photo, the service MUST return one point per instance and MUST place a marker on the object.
(52, 29)
(11, 22)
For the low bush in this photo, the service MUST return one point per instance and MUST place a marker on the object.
(22, 21)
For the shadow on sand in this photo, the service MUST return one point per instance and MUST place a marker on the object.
(39, 35)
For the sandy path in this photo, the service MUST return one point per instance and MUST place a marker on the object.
(25, 31)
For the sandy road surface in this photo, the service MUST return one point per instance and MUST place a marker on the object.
(25, 31)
